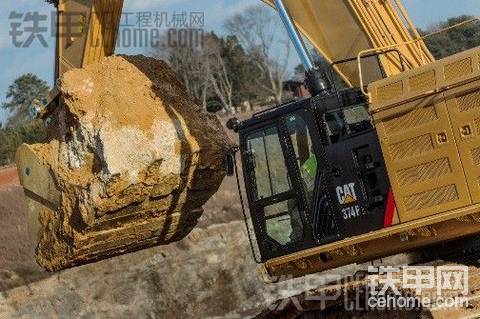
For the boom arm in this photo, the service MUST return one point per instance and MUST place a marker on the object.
(340, 29)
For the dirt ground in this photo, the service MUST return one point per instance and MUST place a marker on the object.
(17, 248)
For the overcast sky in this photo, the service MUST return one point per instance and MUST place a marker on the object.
(39, 60)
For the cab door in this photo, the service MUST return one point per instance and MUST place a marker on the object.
(275, 194)
(309, 160)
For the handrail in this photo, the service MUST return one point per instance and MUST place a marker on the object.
(389, 47)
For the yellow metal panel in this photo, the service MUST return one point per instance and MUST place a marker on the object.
(429, 128)
(73, 17)
(458, 69)
(425, 80)
(94, 26)
(422, 159)
(390, 91)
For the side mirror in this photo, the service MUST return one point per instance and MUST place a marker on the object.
(229, 163)
(233, 124)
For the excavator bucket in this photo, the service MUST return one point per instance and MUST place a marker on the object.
(129, 163)
(130, 158)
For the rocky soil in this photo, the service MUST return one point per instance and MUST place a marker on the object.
(206, 275)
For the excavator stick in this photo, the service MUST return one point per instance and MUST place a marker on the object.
(87, 32)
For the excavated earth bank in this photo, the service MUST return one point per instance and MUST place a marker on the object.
(132, 159)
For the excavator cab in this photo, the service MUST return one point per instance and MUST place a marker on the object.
(313, 171)
(313, 168)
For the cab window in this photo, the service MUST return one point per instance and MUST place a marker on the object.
(305, 155)
(265, 156)
(343, 123)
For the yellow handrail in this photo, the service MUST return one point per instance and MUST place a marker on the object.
(389, 47)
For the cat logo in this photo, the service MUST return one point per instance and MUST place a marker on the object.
(346, 194)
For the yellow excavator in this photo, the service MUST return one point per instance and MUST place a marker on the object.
(390, 164)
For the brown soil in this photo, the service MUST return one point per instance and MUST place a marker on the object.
(9, 176)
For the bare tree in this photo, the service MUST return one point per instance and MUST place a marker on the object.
(218, 75)
(189, 65)
(258, 28)
(202, 70)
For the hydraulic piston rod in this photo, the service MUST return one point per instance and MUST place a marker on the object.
(294, 35)
(315, 83)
